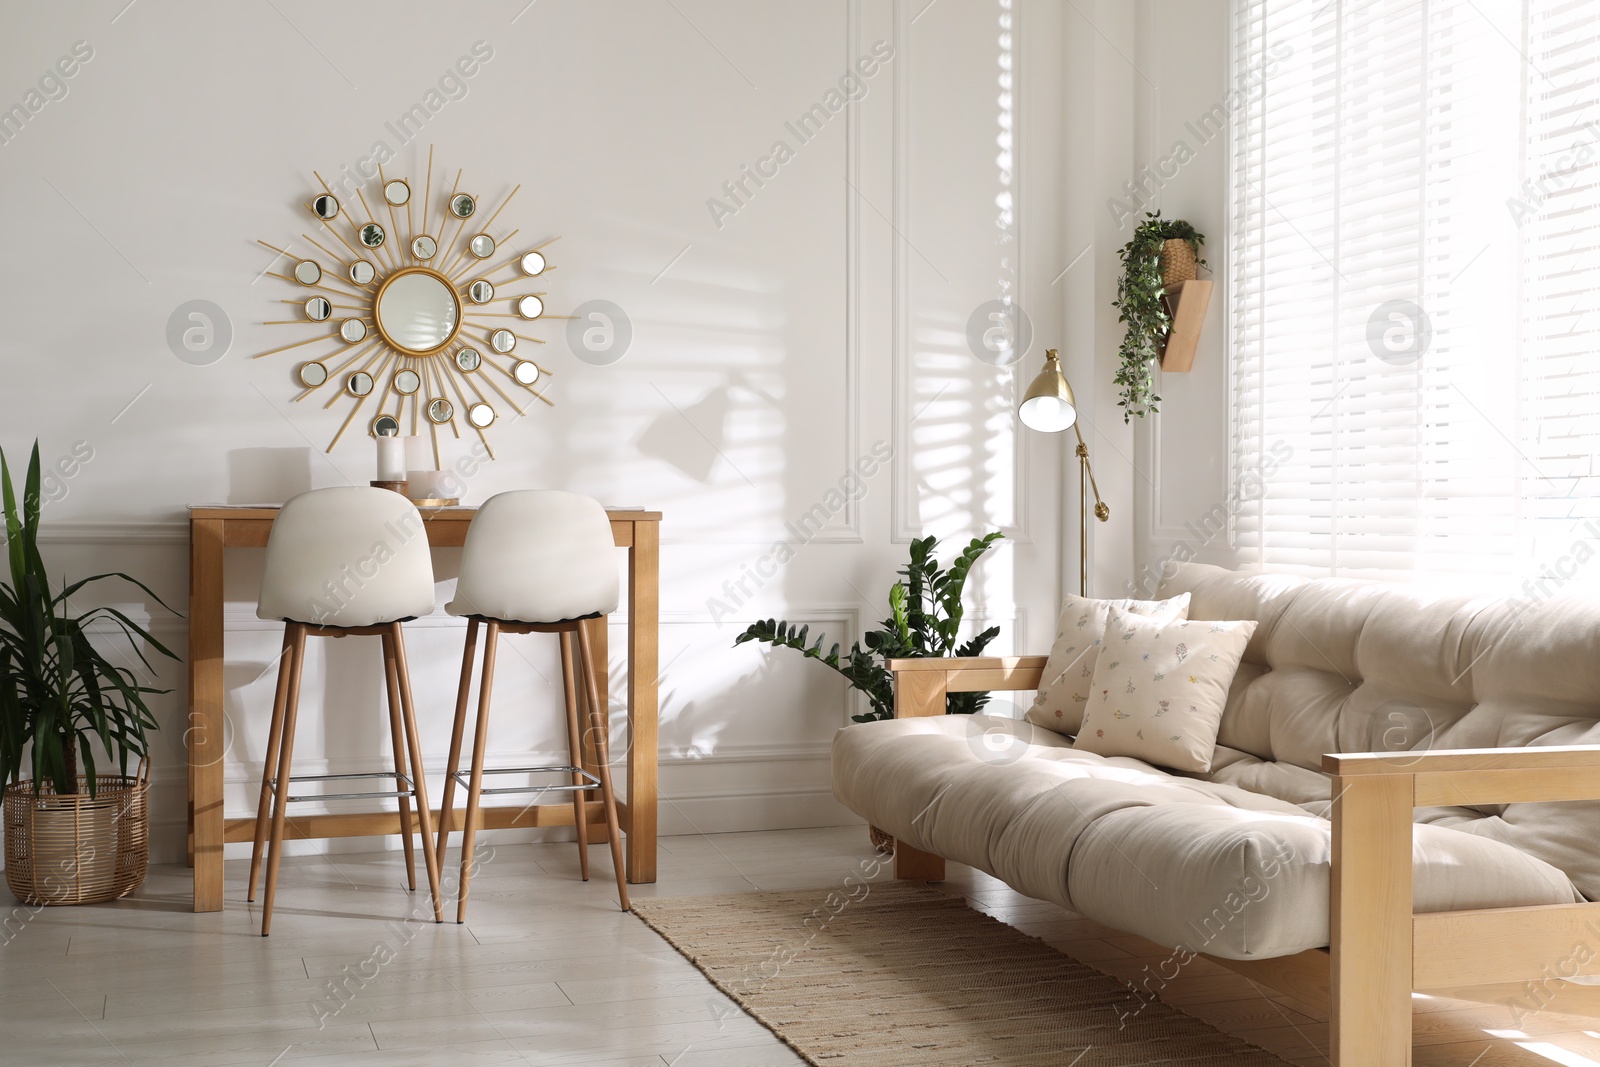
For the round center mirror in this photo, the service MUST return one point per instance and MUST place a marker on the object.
(417, 311)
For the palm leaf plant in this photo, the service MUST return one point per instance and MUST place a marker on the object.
(925, 613)
(57, 690)
(1141, 302)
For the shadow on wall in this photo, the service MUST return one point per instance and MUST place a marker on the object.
(694, 437)
(267, 475)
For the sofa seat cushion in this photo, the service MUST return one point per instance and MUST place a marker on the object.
(1184, 862)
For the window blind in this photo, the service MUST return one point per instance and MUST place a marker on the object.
(1414, 257)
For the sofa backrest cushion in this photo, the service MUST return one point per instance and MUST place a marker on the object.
(1341, 665)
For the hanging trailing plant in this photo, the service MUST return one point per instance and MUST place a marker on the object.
(1140, 301)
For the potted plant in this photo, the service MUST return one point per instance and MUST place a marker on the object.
(72, 837)
(1162, 253)
(925, 613)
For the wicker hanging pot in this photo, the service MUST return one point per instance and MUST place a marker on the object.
(77, 848)
(1178, 262)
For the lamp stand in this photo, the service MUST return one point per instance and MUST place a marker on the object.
(1086, 484)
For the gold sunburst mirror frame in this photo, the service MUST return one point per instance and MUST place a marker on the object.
(412, 313)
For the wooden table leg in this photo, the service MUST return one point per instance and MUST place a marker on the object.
(205, 734)
(644, 622)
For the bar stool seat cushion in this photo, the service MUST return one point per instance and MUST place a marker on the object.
(347, 556)
(537, 556)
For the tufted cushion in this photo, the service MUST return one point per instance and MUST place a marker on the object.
(1339, 665)
(1181, 861)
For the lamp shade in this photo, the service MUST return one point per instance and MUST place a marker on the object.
(1049, 404)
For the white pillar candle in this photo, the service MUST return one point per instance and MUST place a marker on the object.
(424, 485)
(419, 453)
(391, 459)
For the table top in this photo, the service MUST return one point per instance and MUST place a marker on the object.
(459, 512)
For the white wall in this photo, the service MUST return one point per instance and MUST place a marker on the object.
(826, 315)
(1183, 481)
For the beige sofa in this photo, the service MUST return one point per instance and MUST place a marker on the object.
(1378, 817)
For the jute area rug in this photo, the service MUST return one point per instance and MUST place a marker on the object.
(903, 974)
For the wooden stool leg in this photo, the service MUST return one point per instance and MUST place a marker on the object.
(297, 655)
(447, 806)
(602, 748)
(480, 744)
(397, 739)
(575, 748)
(397, 643)
(268, 763)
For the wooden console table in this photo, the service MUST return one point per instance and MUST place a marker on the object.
(213, 529)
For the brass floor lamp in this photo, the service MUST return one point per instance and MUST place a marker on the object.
(1050, 407)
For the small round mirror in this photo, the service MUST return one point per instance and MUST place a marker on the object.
(440, 411)
(359, 383)
(407, 382)
(417, 311)
(352, 330)
(533, 263)
(386, 426)
(525, 373)
(313, 374)
(318, 309)
(482, 246)
(325, 207)
(397, 192)
(530, 307)
(307, 272)
(468, 359)
(502, 341)
(424, 247)
(480, 415)
(362, 272)
(462, 206)
(480, 292)
(372, 235)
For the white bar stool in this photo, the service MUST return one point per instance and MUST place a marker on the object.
(347, 561)
(534, 561)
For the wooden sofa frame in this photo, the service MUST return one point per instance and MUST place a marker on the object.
(1380, 952)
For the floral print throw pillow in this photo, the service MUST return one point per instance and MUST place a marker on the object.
(1064, 689)
(1159, 689)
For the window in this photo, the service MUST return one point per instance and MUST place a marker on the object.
(1414, 277)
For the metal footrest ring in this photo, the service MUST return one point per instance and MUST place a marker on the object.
(400, 779)
(465, 778)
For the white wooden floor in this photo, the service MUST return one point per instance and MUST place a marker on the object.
(547, 970)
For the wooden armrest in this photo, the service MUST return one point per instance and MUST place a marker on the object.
(921, 685)
(968, 663)
(1551, 757)
(1465, 776)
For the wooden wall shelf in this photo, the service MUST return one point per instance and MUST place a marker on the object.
(1187, 302)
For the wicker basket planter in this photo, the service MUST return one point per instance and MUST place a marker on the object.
(78, 849)
(1178, 262)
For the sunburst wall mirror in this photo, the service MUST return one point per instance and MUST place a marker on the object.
(426, 325)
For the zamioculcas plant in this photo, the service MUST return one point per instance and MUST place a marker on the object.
(56, 689)
(925, 613)
(1140, 300)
